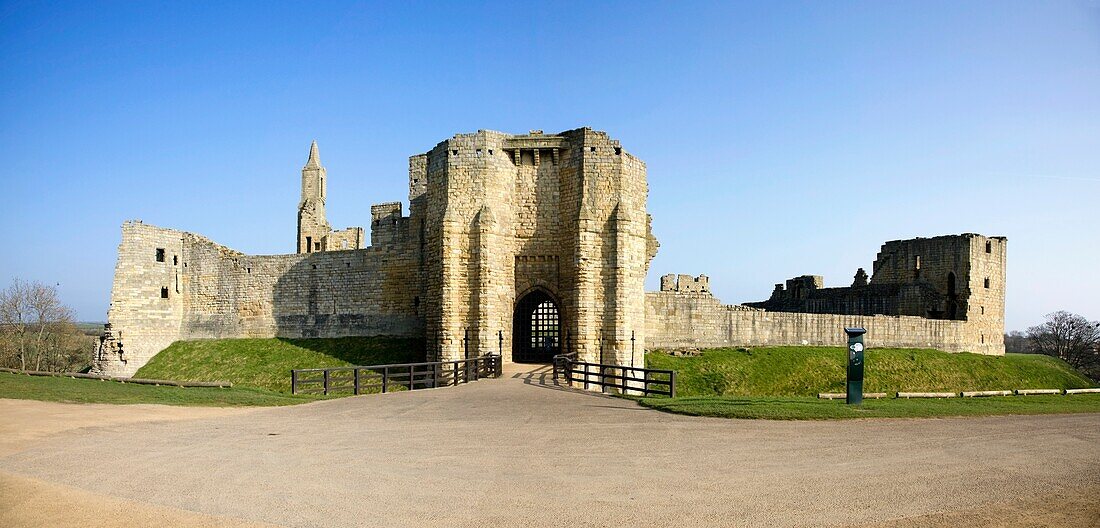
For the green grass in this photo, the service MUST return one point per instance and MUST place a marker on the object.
(807, 371)
(806, 408)
(20, 386)
(266, 363)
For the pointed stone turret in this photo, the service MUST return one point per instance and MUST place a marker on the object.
(314, 161)
(313, 227)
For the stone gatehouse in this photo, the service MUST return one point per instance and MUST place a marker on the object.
(523, 245)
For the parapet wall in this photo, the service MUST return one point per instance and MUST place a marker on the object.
(205, 290)
(676, 320)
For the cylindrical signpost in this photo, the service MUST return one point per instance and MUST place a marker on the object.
(855, 365)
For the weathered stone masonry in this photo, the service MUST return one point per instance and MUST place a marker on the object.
(523, 244)
(945, 292)
(494, 218)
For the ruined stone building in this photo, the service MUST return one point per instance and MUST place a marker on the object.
(945, 292)
(525, 246)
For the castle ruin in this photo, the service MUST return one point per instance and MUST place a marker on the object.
(524, 246)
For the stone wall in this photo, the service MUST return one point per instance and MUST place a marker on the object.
(216, 292)
(699, 320)
(496, 217)
(954, 277)
(492, 217)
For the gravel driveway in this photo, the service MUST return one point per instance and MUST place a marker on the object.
(519, 451)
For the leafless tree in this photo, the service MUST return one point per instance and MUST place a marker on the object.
(50, 317)
(15, 315)
(1068, 336)
(38, 327)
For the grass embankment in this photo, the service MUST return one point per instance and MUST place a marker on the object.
(807, 371)
(782, 383)
(258, 368)
(266, 363)
(68, 390)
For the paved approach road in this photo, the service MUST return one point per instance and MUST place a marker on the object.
(521, 452)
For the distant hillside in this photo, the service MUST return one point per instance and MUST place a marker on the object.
(266, 363)
(807, 371)
(90, 328)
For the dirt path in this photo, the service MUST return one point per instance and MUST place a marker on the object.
(520, 452)
(31, 502)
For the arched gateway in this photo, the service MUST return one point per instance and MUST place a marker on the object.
(536, 326)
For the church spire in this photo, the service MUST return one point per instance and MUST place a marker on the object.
(314, 161)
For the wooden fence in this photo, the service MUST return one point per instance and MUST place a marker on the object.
(622, 379)
(388, 378)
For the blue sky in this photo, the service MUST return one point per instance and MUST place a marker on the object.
(781, 138)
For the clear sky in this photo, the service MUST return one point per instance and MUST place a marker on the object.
(781, 138)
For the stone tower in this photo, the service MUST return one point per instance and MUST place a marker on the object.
(314, 232)
(535, 243)
(955, 277)
(312, 225)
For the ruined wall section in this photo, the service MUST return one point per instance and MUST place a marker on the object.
(984, 293)
(699, 320)
(216, 292)
(344, 239)
(147, 306)
(937, 278)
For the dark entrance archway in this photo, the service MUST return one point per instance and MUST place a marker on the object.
(536, 328)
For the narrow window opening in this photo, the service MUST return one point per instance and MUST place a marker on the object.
(164, 292)
(249, 270)
(317, 246)
(592, 149)
(983, 339)
(175, 260)
(987, 282)
(347, 264)
(618, 151)
(988, 247)
(309, 244)
(983, 309)
(314, 266)
(160, 254)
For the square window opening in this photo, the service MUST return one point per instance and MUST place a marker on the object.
(160, 254)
